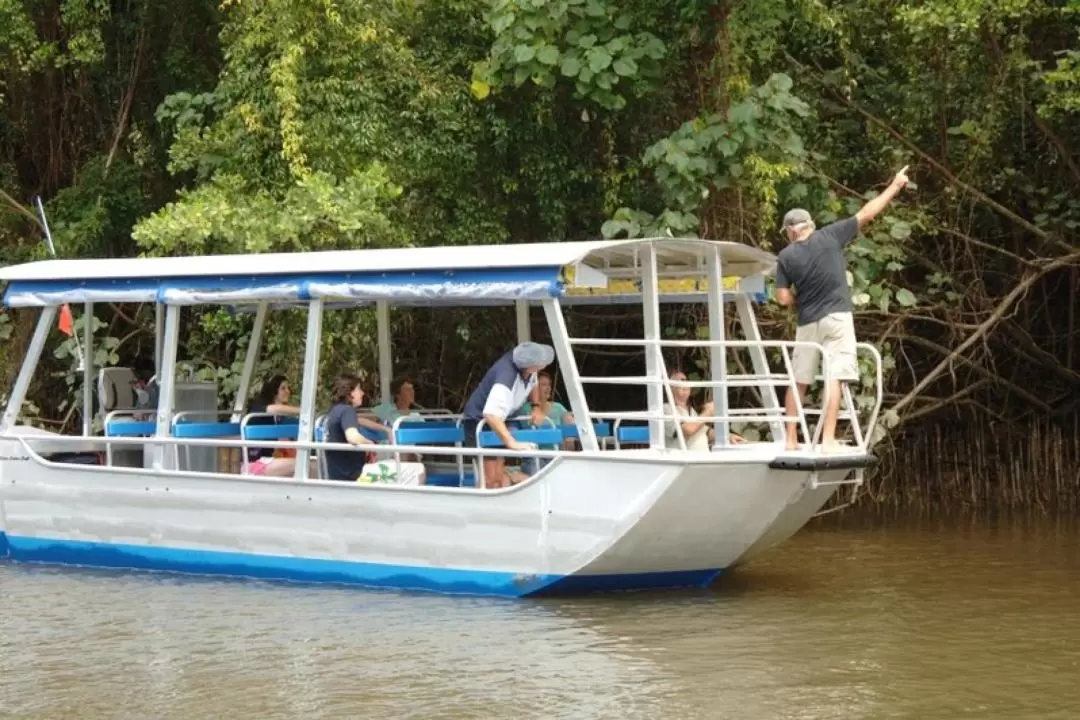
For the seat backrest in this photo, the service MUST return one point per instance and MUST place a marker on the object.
(602, 430)
(540, 436)
(634, 435)
(116, 389)
(430, 434)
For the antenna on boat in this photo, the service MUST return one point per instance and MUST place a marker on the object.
(52, 251)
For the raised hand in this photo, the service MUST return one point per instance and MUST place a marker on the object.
(901, 178)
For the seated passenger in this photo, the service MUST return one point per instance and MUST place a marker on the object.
(401, 403)
(343, 426)
(554, 411)
(500, 395)
(699, 435)
(273, 398)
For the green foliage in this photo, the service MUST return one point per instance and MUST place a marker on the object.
(754, 144)
(587, 43)
(318, 212)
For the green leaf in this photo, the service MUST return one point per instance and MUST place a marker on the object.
(524, 53)
(612, 228)
(548, 55)
(599, 59)
(622, 22)
(625, 66)
(571, 66)
(900, 230)
(655, 48)
(905, 297)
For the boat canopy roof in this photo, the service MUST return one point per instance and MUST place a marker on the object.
(588, 272)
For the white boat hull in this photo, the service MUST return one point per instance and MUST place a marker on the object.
(609, 521)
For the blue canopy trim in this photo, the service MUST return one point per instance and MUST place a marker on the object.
(449, 287)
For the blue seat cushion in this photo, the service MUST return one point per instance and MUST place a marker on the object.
(602, 430)
(271, 432)
(634, 434)
(193, 430)
(423, 434)
(130, 428)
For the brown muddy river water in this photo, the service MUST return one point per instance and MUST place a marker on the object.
(886, 619)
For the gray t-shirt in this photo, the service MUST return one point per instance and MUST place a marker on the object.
(817, 269)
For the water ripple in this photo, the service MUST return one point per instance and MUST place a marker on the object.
(874, 622)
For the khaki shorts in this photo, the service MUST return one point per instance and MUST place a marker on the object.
(836, 333)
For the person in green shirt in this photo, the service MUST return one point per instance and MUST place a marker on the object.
(552, 410)
(401, 402)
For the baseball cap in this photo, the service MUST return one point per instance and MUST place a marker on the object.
(531, 354)
(796, 216)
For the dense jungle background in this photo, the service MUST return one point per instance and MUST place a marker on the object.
(201, 126)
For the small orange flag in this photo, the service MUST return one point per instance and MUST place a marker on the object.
(66, 322)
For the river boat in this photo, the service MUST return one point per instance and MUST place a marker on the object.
(623, 511)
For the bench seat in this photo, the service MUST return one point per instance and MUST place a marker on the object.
(634, 435)
(130, 428)
(200, 430)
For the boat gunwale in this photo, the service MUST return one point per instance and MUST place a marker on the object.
(663, 457)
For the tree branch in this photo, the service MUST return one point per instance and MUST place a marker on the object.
(933, 162)
(1006, 304)
(20, 208)
(955, 398)
(1021, 392)
(985, 246)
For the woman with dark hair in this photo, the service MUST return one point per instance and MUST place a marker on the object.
(273, 398)
(343, 426)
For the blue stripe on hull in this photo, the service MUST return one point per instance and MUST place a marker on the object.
(583, 584)
(46, 551)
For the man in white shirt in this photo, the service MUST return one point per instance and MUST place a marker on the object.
(504, 389)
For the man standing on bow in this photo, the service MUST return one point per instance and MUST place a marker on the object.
(813, 262)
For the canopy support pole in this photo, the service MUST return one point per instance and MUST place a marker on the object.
(166, 377)
(310, 386)
(560, 339)
(88, 370)
(524, 327)
(26, 372)
(386, 358)
(250, 360)
(718, 353)
(650, 300)
(760, 362)
(159, 337)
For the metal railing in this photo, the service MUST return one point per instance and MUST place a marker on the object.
(777, 415)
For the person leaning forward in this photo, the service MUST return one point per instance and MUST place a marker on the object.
(813, 262)
(502, 392)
